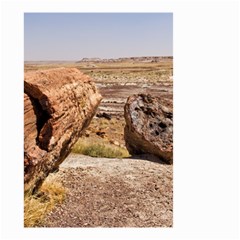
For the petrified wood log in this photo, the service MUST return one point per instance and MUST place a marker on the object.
(58, 105)
(149, 127)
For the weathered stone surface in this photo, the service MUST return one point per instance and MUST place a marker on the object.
(58, 105)
(149, 127)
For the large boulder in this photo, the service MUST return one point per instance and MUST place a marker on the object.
(149, 126)
(58, 105)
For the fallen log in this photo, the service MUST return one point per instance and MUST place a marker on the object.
(58, 105)
(149, 127)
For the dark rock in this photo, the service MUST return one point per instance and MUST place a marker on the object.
(104, 115)
(149, 127)
(100, 134)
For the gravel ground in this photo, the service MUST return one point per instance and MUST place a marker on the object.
(103, 192)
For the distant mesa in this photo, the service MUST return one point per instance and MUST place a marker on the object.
(90, 60)
(129, 59)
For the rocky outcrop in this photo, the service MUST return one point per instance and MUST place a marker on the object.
(58, 105)
(149, 127)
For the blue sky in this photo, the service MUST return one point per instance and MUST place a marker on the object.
(73, 36)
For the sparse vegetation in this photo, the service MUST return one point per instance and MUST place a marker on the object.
(104, 138)
(99, 149)
(37, 205)
(115, 81)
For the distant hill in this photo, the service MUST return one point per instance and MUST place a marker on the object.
(130, 59)
(96, 60)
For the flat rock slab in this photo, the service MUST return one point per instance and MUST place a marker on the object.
(103, 192)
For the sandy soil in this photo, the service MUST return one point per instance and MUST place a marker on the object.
(105, 192)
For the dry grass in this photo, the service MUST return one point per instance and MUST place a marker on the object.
(36, 206)
(99, 149)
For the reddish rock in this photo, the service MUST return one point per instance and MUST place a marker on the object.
(58, 105)
(149, 127)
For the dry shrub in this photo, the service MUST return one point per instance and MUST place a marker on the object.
(37, 205)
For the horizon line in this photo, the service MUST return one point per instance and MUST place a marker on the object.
(52, 60)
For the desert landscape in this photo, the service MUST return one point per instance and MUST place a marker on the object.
(110, 178)
(117, 80)
(112, 120)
